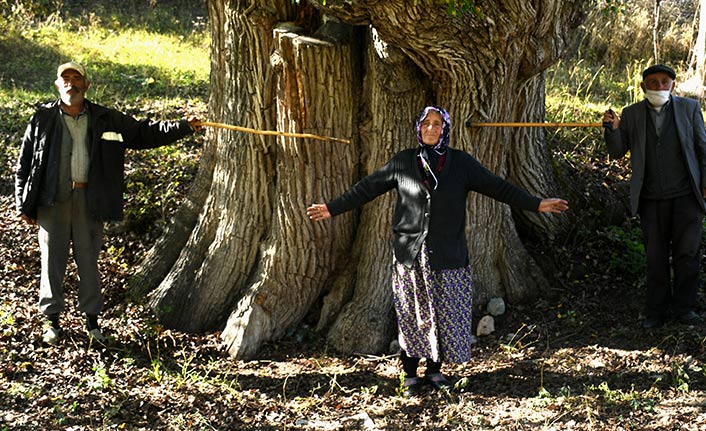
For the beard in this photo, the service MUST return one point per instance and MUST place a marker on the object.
(71, 98)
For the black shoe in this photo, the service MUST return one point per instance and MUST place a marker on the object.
(652, 322)
(92, 322)
(690, 318)
(439, 382)
(412, 387)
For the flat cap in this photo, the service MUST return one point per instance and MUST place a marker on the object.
(659, 68)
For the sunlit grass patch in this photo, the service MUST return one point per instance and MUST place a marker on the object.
(130, 65)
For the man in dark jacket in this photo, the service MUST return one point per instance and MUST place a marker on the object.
(667, 142)
(69, 181)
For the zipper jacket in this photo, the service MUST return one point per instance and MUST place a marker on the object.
(110, 132)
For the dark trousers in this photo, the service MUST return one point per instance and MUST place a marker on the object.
(672, 227)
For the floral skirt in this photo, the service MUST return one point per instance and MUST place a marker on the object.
(434, 310)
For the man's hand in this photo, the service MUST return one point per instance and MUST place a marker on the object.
(194, 123)
(611, 117)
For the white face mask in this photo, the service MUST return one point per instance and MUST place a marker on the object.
(657, 97)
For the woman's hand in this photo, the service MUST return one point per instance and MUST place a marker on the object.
(553, 205)
(318, 212)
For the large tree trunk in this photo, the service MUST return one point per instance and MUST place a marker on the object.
(314, 94)
(223, 248)
(394, 92)
(252, 254)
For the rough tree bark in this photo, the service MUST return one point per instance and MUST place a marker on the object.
(252, 261)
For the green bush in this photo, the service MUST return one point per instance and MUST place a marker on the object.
(622, 32)
(627, 250)
(23, 14)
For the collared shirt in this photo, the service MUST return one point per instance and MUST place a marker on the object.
(80, 157)
(41, 147)
(658, 114)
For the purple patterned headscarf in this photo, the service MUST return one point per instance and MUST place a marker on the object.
(443, 143)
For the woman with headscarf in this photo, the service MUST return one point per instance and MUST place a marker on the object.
(432, 280)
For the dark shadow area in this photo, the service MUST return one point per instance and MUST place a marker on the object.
(160, 16)
(27, 65)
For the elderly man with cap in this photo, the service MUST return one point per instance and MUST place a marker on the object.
(667, 142)
(69, 181)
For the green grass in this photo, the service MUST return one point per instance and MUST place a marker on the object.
(581, 91)
(130, 66)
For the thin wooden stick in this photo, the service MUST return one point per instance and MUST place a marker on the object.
(469, 124)
(271, 132)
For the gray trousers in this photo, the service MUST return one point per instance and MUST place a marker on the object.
(65, 223)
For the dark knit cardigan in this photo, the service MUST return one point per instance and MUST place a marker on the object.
(439, 216)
